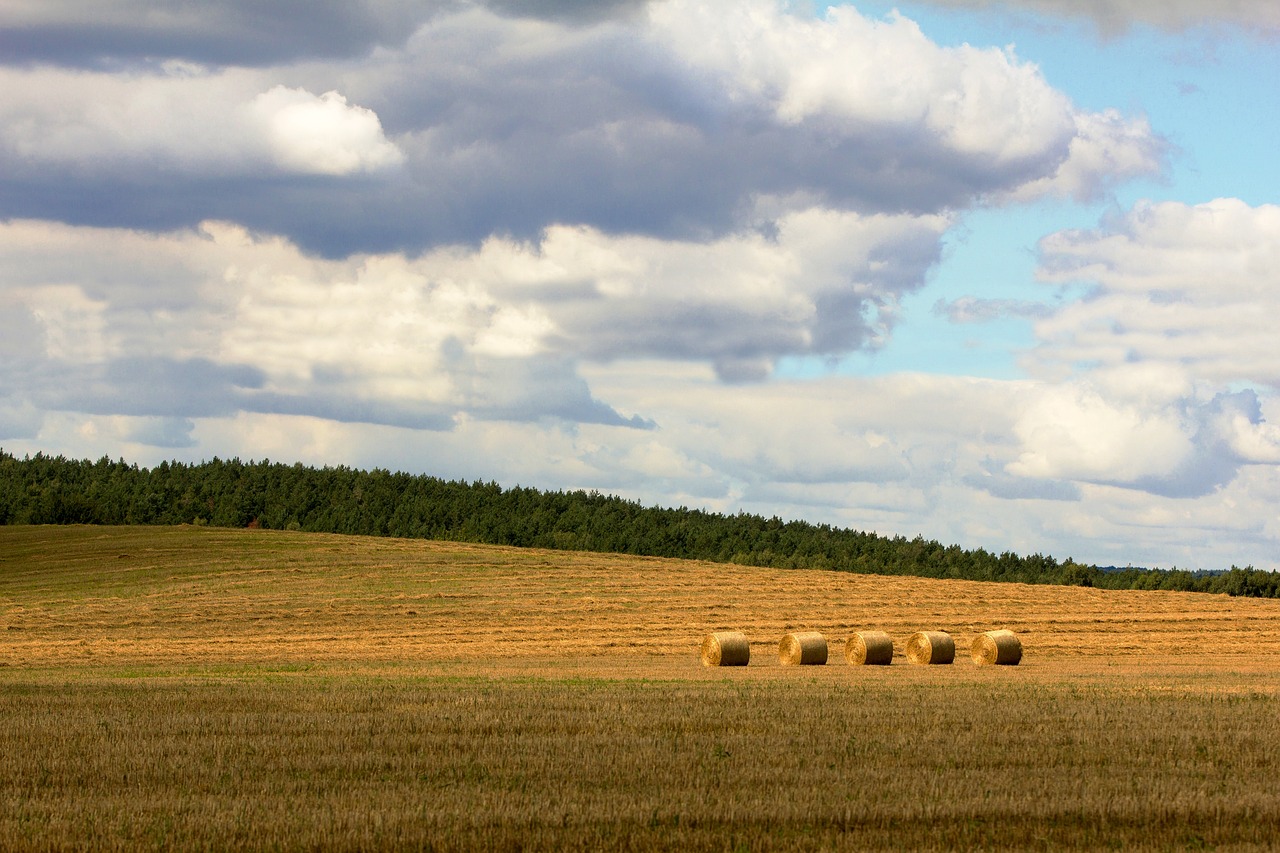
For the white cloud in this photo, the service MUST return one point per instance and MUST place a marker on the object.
(1072, 432)
(951, 436)
(1106, 149)
(885, 79)
(860, 73)
(166, 124)
(818, 285)
(74, 324)
(222, 319)
(1168, 356)
(323, 135)
(1191, 286)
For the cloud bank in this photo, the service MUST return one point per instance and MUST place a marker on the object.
(485, 124)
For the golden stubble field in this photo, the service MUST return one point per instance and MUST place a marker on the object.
(180, 596)
(195, 688)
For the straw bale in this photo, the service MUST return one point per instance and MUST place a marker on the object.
(807, 648)
(874, 648)
(725, 648)
(931, 647)
(997, 647)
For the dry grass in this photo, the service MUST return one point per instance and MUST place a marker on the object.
(311, 762)
(212, 689)
(172, 595)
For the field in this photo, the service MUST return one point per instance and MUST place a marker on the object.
(203, 688)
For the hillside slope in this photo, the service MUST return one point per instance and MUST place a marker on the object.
(193, 595)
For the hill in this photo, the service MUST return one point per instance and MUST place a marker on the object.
(176, 595)
(54, 490)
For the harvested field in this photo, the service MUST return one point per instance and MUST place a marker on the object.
(136, 595)
(188, 688)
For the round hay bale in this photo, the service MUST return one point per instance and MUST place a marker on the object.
(725, 648)
(870, 648)
(807, 648)
(997, 647)
(931, 647)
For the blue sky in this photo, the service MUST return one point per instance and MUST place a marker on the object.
(996, 273)
(1186, 82)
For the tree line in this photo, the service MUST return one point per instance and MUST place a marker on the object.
(44, 489)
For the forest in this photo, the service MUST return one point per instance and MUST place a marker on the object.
(44, 489)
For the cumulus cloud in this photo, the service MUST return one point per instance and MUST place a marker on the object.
(1106, 149)
(1073, 432)
(1166, 350)
(219, 319)
(167, 126)
(637, 123)
(1188, 285)
(852, 73)
(818, 283)
(323, 135)
(1187, 449)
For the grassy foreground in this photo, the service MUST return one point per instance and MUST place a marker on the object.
(310, 762)
(275, 691)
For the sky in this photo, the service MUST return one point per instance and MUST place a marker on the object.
(999, 274)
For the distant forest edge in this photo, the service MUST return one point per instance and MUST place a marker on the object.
(230, 493)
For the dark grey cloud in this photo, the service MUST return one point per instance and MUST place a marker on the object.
(349, 409)
(19, 419)
(537, 388)
(88, 34)
(567, 10)
(165, 393)
(148, 386)
(162, 432)
(997, 483)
